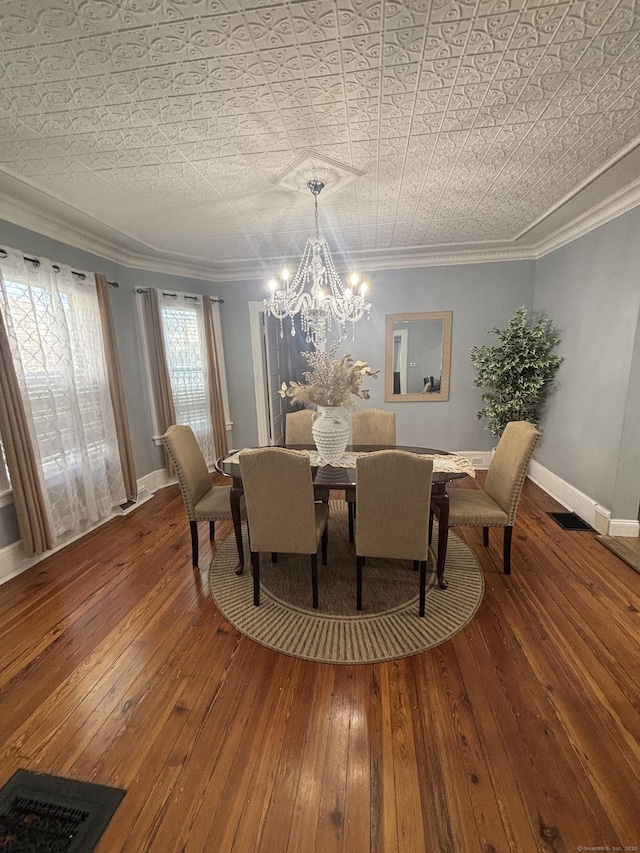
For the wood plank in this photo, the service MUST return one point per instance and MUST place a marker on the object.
(388, 838)
(357, 808)
(276, 828)
(564, 796)
(217, 806)
(409, 826)
(117, 651)
(332, 815)
(520, 733)
(453, 765)
(306, 806)
(253, 811)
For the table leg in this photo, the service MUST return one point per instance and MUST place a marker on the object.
(235, 496)
(442, 500)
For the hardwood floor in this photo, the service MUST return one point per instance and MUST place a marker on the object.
(520, 734)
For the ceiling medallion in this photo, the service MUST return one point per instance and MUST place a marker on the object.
(328, 300)
(311, 165)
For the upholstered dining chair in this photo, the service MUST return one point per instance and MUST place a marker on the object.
(373, 426)
(297, 430)
(394, 494)
(297, 427)
(203, 501)
(370, 426)
(283, 516)
(497, 504)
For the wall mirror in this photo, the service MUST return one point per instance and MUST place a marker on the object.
(417, 358)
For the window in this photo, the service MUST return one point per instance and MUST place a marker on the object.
(62, 380)
(186, 359)
(199, 398)
(55, 336)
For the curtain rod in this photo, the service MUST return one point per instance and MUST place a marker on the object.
(175, 295)
(56, 268)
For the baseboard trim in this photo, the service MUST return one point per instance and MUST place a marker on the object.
(624, 527)
(480, 459)
(587, 508)
(13, 560)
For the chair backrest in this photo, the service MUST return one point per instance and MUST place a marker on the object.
(297, 429)
(393, 495)
(191, 468)
(278, 490)
(374, 426)
(508, 468)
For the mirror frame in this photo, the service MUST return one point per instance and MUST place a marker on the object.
(438, 396)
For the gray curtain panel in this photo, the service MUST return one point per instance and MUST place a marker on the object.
(116, 389)
(162, 382)
(215, 385)
(21, 461)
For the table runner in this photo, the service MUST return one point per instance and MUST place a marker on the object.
(442, 462)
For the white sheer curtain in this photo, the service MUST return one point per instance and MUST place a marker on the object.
(5, 484)
(54, 330)
(183, 326)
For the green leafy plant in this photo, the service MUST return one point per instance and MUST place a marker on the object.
(519, 373)
(330, 381)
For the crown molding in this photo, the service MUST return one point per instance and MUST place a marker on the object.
(616, 205)
(120, 249)
(128, 252)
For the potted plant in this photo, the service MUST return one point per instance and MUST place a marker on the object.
(330, 387)
(519, 373)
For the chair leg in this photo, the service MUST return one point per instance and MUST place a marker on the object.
(359, 566)
(506, 551)
(485, 537)
(423, 585)
(194, 542)
(350, 506)
(274, 556)
(212, 531)
(430, 525)
(325, 542)
(314, 580)
(440, 506)
(255, 568)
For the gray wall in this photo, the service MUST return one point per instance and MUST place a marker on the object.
(591, 290)
(480, 296)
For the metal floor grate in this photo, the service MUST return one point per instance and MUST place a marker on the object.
(51, 814)
(32, 825)
(570, 521)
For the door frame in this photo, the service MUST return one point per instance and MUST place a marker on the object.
(401, 335)
(256, 328)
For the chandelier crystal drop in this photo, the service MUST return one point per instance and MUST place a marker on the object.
(327, 299)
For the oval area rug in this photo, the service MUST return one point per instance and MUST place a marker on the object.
(388, 627)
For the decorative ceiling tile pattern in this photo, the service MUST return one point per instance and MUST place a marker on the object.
(460, 123)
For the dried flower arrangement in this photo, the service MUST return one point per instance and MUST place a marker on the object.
(330, 381)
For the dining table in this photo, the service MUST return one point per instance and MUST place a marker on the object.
(341, 476)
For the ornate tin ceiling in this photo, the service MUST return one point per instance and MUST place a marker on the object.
(173, 133)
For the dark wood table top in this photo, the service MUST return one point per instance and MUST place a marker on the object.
(344, 478)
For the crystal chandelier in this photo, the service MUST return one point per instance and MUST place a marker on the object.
(328, 300)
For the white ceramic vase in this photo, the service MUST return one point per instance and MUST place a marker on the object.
(331, 429)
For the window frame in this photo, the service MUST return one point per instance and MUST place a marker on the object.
(146, 363)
